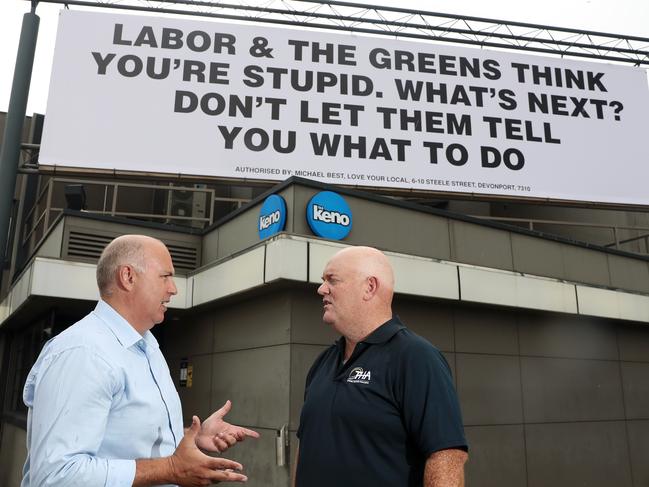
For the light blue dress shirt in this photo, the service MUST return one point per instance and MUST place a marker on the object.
(99, 397)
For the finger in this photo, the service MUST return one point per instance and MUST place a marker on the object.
(226, 476)
(220, 444)
(230, 439)
(240, 433)
(225, 409)
(193, 430)
(251, 433)
(217, 463)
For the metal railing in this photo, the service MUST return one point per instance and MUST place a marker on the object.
(402, 22)
(28, 162)
(615, 230)
(48, 213)
(42, 215)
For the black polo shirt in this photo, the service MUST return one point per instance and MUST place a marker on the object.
(374, 420)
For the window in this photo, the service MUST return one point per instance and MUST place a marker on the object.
(23, 347)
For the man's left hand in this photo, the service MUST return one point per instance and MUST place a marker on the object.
(217, 435)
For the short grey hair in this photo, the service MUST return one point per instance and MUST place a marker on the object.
(124, 250)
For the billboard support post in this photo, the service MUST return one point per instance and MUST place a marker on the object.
(10, 153)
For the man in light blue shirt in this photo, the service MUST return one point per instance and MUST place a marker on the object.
(103, 410)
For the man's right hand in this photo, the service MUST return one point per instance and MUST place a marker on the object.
(190, 467)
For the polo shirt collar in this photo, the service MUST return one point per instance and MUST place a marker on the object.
(385, 332)
(126, 335)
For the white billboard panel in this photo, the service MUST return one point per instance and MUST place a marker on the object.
(249, 101)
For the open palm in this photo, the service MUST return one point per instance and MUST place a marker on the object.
(217, 435)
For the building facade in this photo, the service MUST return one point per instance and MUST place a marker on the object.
(547, 338)
(539, 304)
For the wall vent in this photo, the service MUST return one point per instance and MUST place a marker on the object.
(88, 247)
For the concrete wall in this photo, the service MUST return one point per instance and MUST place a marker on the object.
(239, 351)
(241, 232)
(543, 398)
(547, 398)
(12, 455)
(445, 238)
(600, 236)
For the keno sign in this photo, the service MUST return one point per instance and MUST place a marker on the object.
(272, 216)
(166, 95)
(329, 215)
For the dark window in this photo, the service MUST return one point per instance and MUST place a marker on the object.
(23, 347)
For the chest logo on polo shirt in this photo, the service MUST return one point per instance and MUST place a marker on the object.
(359, 376)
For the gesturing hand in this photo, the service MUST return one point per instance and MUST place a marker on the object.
(216, 435)
(191, 468)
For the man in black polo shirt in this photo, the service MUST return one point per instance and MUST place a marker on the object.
(380, 409)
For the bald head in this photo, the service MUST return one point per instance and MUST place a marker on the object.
(125, 250)
(368, 262)
(357, 288)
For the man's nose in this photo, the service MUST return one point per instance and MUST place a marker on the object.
(322, 290)
(173, 290)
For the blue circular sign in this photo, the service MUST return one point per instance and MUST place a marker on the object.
(272, 216)
(329, 215)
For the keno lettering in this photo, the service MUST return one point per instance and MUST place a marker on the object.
(268, 220)
(320, 214)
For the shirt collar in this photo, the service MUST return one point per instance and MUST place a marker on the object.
(380, 335)
(124, 332)
(386, 331)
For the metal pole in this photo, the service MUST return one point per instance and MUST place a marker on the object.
(10, 154)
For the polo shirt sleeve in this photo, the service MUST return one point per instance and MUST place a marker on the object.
(70, 394)
(429, 404)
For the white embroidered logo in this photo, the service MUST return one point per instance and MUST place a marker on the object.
(359, 376)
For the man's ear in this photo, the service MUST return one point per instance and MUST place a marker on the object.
(126, 277)
(371, 288)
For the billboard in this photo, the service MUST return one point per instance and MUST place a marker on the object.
(166, 95)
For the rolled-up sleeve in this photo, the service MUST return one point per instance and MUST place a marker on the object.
(70, 394)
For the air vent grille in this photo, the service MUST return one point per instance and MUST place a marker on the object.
(88, 247)
(184, 257)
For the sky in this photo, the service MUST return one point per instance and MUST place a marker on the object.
(630, 17)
